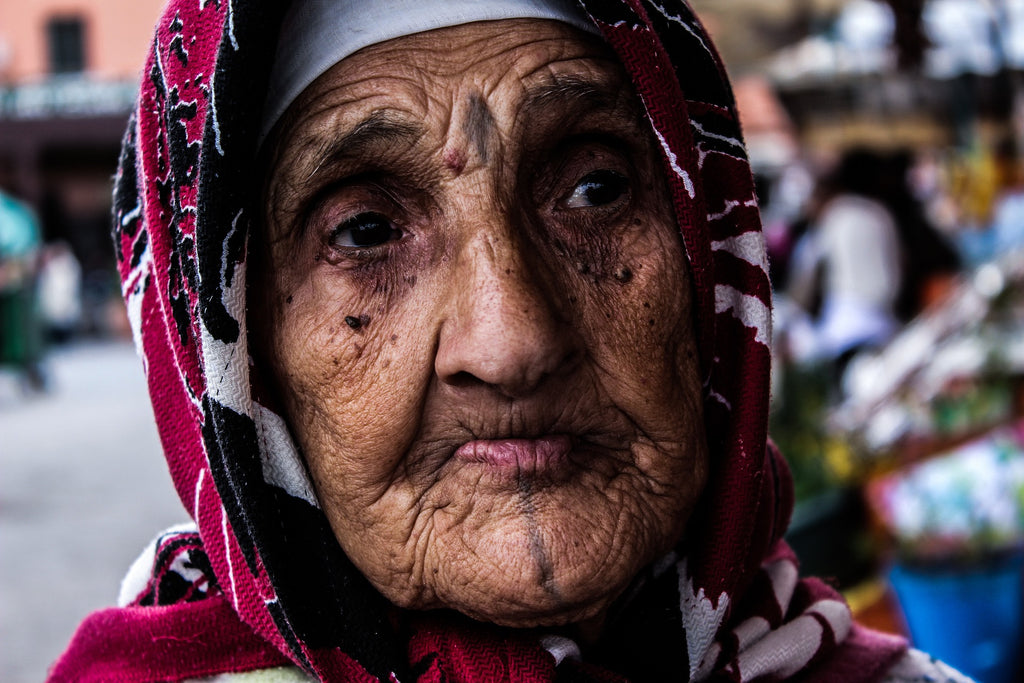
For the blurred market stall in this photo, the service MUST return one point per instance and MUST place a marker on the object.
(906, 449)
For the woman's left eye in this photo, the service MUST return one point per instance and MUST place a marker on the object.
(364, 230)
(597, 188)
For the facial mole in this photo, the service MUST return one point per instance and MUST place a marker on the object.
(289, 299)
(357, 323)
(624, 274)
(455, 160)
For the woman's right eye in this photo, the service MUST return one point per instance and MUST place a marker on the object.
(597, 188)
(369, 229)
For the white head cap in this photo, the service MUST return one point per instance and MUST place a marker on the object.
(317, 34)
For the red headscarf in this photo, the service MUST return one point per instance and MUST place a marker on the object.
(262, 582)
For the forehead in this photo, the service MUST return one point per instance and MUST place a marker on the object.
(515, 68)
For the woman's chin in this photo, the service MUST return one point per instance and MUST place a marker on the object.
(538, 618)
(510, 581)
(516, 606)
(557, 556)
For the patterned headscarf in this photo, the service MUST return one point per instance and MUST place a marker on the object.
(263, 582)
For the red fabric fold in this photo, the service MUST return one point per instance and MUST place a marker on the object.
(865, 655)
(452, 651)
(174, 642)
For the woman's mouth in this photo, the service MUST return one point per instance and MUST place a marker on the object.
(530, 457)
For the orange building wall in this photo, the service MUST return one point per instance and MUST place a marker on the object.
(117, 36)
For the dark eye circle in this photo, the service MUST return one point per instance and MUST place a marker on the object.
(369, 229)
(597, 188)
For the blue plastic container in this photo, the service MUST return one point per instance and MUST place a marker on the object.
(969, 617)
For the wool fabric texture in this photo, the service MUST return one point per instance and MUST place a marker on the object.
(261, 581)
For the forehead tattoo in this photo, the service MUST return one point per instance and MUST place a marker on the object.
(478, 124)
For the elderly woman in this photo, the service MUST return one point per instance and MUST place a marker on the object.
(455, 317)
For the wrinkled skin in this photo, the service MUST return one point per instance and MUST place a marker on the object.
(477, 310)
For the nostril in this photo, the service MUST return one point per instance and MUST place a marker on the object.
(463, 379)
(573, 355)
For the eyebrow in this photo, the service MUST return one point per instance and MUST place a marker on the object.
(383, 128)
(574, 90)
(380, 128)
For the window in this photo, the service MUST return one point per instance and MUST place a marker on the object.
(66, 39)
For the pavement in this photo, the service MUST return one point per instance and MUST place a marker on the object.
(83, 488)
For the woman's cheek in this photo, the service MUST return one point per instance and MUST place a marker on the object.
(352, 357)
(327, 330)
(638, 317)
(628, 287)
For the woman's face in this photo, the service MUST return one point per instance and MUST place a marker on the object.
(476, 306)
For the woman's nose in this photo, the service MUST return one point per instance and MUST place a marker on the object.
(506, 328)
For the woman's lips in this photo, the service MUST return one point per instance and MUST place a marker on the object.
(521, 456)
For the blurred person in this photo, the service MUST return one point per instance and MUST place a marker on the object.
(930, 183)
(21, 343)
(848, 268)
(864, 266)
(60, 292)
(975, 186)
(458, 345)
(930, 260)
(1007, 226)
(997, 225)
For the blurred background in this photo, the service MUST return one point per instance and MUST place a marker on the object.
(885, 138)
(83, 485)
